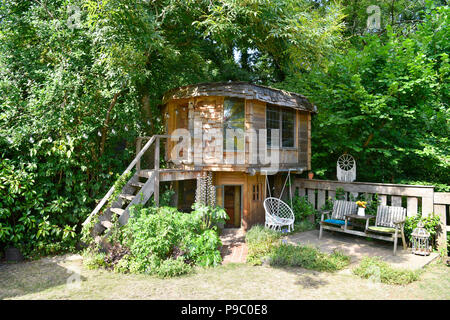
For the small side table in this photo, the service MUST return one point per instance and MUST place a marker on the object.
(367, 217)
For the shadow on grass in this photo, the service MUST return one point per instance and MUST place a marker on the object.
(18, 279)
(356, 247)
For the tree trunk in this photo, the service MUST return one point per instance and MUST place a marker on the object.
(106, 124)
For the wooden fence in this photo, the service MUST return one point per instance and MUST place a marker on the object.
(415, 198)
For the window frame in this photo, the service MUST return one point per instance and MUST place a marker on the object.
(236, 143)
(280, 122)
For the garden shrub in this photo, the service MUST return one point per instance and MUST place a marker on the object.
(378, 270)
(162, 241)
(308, 257)
(302, 208)
(29, 219)
(304, 225)
(93, 259)
(260, 242)
(431, 224)
(172, 267)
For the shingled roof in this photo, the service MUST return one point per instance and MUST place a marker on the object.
(244, 90)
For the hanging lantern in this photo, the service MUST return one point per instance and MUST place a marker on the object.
(420, 241)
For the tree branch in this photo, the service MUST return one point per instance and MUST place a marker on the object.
(106, 124)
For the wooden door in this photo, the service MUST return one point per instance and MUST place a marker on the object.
(232, 206)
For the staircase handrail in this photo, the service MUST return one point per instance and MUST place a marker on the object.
(128, 169)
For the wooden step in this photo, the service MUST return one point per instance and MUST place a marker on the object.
(107, 224)
(145, 173)
(117, 211)
(127, 196)
(137, 184)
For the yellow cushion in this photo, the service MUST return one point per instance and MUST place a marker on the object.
(382, 229)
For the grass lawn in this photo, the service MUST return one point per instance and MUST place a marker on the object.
(46, 279)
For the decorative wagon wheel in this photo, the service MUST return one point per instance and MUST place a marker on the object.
(346, 168)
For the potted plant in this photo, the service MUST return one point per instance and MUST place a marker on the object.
(13, 254)
(361, 207)
(310, 175)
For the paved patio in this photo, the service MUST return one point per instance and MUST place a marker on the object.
(234, 249)
(359, 247)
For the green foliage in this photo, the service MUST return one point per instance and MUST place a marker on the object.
(385, 101)
(172, 268)
(302, 208)
(260, 241)
(210, 216)
(26, 221)
(308, 257)
(340, 194)
(118, 186)
(165, 242)
(203, 249)
(165, 197)
(75, 93)
(377, 270)
(93, 260)
(431, 224)
(304, 225)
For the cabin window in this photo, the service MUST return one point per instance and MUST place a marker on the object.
(233, 119)
(282, 119)
(257, 192)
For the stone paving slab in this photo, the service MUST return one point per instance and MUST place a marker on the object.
(234, 248)
(359, 247)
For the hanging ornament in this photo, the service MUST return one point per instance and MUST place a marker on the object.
(346, 168)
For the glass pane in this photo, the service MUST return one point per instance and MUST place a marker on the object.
(288, 128)
(272, 121)
(233, 118)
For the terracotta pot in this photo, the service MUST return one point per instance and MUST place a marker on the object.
(310, 175)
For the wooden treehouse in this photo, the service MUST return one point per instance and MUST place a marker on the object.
(245, 135)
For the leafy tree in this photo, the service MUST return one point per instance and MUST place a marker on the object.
(385, 103)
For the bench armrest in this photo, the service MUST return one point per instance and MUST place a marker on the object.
(399, 222)
(323, 213)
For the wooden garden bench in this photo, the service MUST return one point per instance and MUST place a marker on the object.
(337, 220)
(389, 225)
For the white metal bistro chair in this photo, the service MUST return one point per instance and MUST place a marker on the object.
(278, 214)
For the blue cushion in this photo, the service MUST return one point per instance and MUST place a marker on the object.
(335, 221)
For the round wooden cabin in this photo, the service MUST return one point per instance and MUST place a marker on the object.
(207, 112)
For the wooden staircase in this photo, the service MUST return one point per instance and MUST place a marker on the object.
(138, 190)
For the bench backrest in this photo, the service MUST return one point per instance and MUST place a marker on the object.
(342, 207)
(387, 215)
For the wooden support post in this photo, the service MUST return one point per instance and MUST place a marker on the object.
(312, 197)
(427, 206)
(441, 236)
(331, 195)
(411, 205)
(138, 149)
(156, 191)
(320, 199)
(396, 201)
